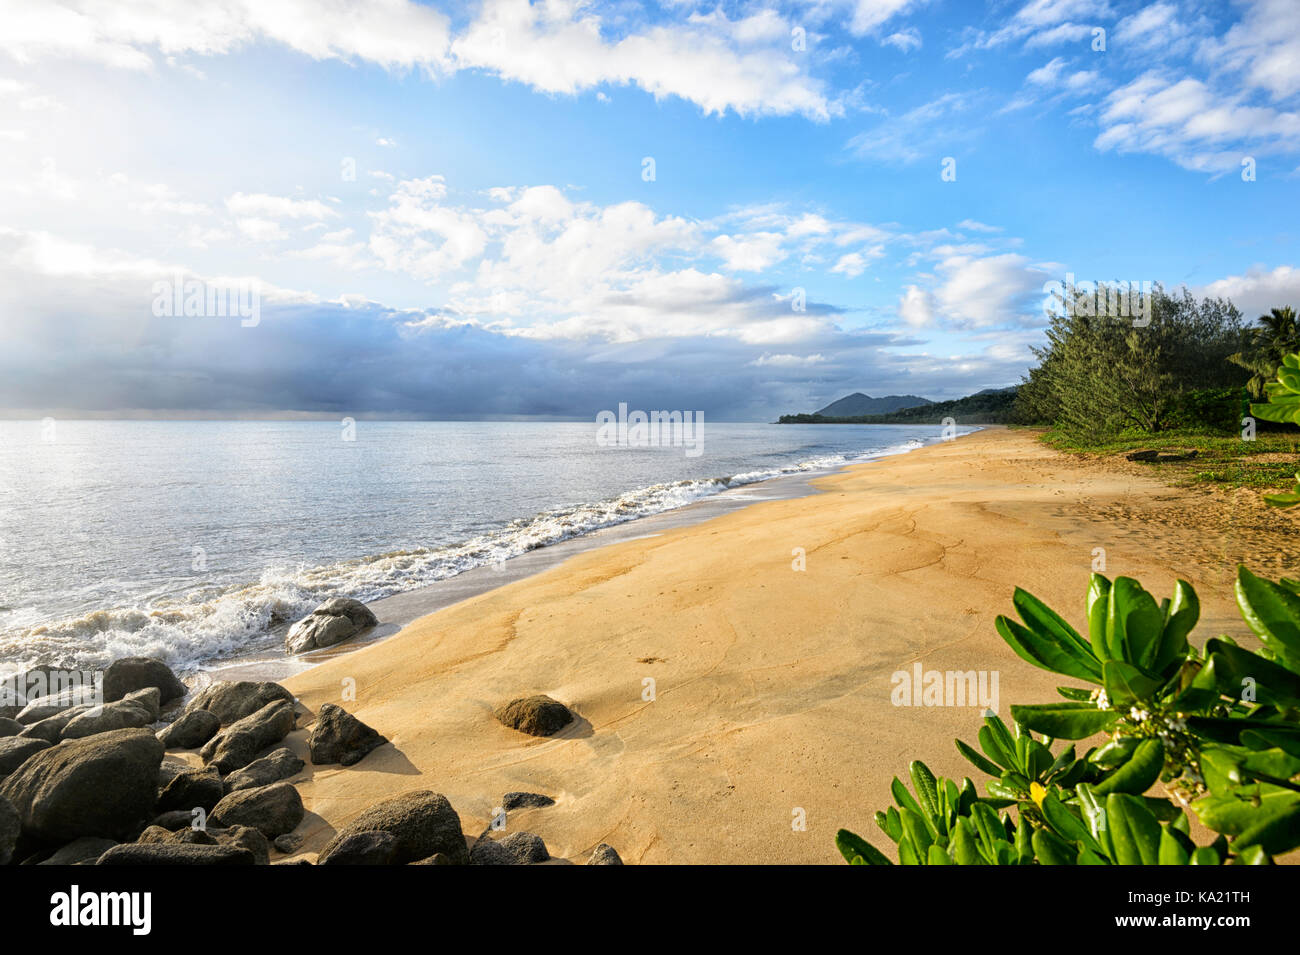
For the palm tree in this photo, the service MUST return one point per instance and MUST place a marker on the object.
(1276, 336)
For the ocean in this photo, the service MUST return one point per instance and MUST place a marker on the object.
(197, 541)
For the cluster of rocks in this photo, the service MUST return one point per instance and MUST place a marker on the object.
(87, 780)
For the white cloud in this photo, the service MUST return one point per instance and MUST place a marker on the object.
(916, 307)
(1189, 123)
(743, 65)
(1264, 48)
(419, 235)
(1258, 290)
(907, 39)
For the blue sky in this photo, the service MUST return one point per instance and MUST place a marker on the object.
(500, 249)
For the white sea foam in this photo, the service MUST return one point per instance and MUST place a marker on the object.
(188, 626)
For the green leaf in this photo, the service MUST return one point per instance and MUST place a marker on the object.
(1126, 684)
(1172, 851)
(1065, 720)
(926, 791)
(917, 831)
(937, 856)
(852, 846)
(1183, 613)
(1098, 602)
(1133, 621)
(1234, 666)
(1272, 612)
(1067, 824)
(964, 851)
(978, 761)
(1052, 850)
(1276, 835)
(1044, 620)
(1244, 807)
(1046, 653)
(1134, 831)
(1138, 774)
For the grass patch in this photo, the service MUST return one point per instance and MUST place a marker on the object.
(1269, 463)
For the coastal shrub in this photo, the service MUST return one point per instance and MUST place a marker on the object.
(1100, 374)
(1274, 336)
(1220, 727)
(1283, 407)
(1214, 410)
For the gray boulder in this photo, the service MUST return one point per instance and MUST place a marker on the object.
(191, 730)
(174, 819)
(422, 821)
(51, 728)
(248, 838)
(169, 853)
(271, 768)
(131, 674)
(604, 854)
(15, 750)
(489, 852)
(9, 727)
(272, 810)
(46, 706)
(535, 715)
(332, 622)
(244, 740)
(200, 788)
(339, 737)
(10, 826)
(436, 859)
(513, 801)
(83, 851)
(124, 714)
(364, 848)
(288, 843)
(231, 702)
(525, 848)
(104, 785)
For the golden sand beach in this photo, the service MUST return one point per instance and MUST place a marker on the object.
(735, 709)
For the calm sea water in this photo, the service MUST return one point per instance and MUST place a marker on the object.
(190, 541)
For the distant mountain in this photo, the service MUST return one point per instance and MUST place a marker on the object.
(990, 406)
(860, 404)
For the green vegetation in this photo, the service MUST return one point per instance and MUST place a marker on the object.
(1283, 407)
(1276, 336)
(987, 407)
(1220, 726)
(1101, 375)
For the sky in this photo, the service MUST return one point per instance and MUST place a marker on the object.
(501, 208)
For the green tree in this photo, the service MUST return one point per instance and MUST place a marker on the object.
(1276, 335)
(1102, 374)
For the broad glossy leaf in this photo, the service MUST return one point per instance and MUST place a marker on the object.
(1126, 684)
(1046, 653)
(1133, 621)
(1098, 602)
(1134, 831)
(1276, 835)
(1183, 613)
(927, 792)
(1272, 611)
(852, 845)
(1044, 620)
(1138, 773)
(978, 761)
(1052, 850)
(1244, 807)
(1065, 720)
(1172, 851)
(1067, 825)
(937, 856)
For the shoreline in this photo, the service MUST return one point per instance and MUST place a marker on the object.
(399, 610)
(771, 686)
